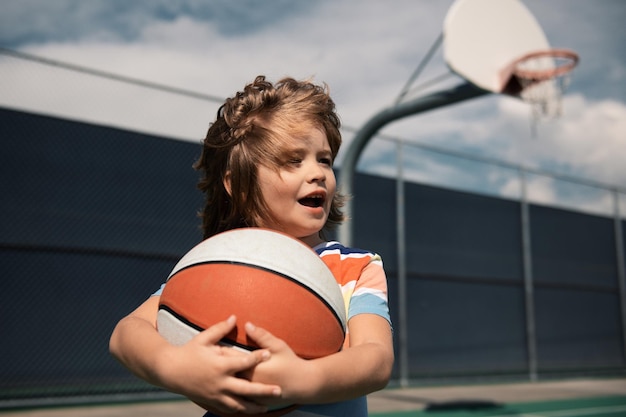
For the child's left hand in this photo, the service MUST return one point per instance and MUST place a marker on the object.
(363, 367)
(286, 369)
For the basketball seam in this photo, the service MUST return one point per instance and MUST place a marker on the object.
(262, 268)
(187, 322)
(183, 319)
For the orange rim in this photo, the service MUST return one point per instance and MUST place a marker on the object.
(565, 60)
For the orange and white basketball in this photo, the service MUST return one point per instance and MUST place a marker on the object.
(261, 276)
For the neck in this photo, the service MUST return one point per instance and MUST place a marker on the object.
(312, 240)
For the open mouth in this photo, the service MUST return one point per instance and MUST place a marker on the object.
(316, 200)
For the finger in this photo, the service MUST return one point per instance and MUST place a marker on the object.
(242, 398)
(237, 363)
(250, 390)
(264, 338)
(215, 333)
(260, 355)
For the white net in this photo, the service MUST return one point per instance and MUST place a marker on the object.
(544, 79)
(545, 97)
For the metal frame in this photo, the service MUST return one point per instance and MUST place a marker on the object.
(345, 235)
(456, 94)
(346, 181)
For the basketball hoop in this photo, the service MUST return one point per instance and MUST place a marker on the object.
(540, 79)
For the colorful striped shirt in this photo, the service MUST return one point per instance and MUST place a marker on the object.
(360, 276)
(363, 283)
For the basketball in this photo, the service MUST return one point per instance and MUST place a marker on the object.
(261, 276)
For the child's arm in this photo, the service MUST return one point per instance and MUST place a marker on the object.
(200, 370)
(362, 368)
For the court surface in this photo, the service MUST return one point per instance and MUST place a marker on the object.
(574, 397)
(605, 406)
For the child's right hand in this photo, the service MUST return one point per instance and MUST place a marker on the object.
(201, 370)
(206, 373)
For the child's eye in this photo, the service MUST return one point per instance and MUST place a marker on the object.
(326, 161)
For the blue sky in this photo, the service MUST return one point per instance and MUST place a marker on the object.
(364, 50)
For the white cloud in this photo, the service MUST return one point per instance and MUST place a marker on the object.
(365, 51)
(587, 141)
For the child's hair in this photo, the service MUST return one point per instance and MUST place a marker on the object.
(256, 127)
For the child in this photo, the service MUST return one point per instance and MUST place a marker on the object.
(267, 162)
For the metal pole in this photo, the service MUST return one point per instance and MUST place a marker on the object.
(435, 46)
(403, 348)
(621, 268)
(374, 124)
(529, 296)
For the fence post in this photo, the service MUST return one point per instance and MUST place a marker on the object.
(621, 268)
(529, 295)
(403, 348)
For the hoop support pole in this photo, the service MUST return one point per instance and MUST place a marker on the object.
(432, 101)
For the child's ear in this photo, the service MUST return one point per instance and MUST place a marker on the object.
(226, 183)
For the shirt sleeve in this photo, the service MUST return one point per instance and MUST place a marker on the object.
(159, 291)
(370, 291)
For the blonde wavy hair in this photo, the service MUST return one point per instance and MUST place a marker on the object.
(255, 127)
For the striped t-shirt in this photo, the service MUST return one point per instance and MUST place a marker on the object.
(363, 283)
(360, 276)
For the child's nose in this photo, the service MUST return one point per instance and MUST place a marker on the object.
(316, 173)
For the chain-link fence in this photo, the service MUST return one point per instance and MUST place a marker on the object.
(93, 218)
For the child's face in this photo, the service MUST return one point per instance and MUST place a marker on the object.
(299, 195)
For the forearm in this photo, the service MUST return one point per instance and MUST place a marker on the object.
(352, 373)
(362, 368)
(135, 356)
(201, 370)
(136, 343)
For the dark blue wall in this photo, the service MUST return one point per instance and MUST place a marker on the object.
(93, 219)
